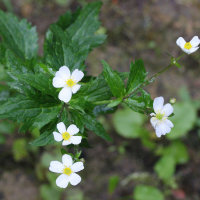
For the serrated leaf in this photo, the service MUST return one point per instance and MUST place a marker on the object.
(102, 110)
(92, 124)
(31, 113)
(137, 104)
(18, 36)
(165, 167)
(60, 51)
(114, 81)
(136, 76)
(86, 23)
(143, 192)
(39, 82)
(115, 103)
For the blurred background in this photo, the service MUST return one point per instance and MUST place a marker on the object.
(137, 165)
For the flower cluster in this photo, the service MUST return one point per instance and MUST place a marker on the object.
(68, 82)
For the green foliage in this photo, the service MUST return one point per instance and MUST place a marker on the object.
(113, 182)
(183, 120)
(178, 151)
(128, 124)
(114, 81)
(143, 192)
(136, 76)
(165, 167)
(18, 36)
(19, 149)
(47, 193)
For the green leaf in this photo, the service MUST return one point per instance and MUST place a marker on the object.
(60, 50)
(86, 24)
(128, 123)
(103, 109)
(143, 192)
(39, 82)
(19, 149)
(136, 76)
(165, 167)
(114, 81)
(92, 124)
(33, 114)
(113, 182)
(115, 102)
(137, 104)
(18, 36)
(48, 193)
(183, 120)
(178, 150)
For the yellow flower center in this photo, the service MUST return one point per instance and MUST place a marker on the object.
(159, 116)
(66, 136)
(67, 171)
(188, 45)
(70, 82)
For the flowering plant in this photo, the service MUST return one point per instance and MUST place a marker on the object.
(55, 92)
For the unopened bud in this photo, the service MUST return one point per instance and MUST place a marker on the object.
(82, 160)
(172, 100)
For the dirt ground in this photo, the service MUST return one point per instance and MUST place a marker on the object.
(136, 29)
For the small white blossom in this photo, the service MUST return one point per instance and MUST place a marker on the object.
(159, 120)
(67, 169)
(67, 135)
(188, 47)
(64, 79)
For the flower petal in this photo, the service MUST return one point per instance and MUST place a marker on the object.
(192, 50)
(152, 114)
(57, 136)
(162, 129)
(72, 129)
(74, 179)
(58, 82)
(65, 94)
(77, 75)
(180, 42)
(64, 72)
(158, 104)
(169, 123)
(75, 88)
(154, 121)
(67, 160)
(78, 166)
(56, 166)
(186, 50)
(76, 139)
(167, 110)
(61, 127)
(195, 41)
(62, 181)
(66, 142)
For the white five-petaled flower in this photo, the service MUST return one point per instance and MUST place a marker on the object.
(159, 120)
(67, 135)
(188, 47)
(64, 79)
(67, 169)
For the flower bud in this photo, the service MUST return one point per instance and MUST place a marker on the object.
(172, 101)
(82, 160)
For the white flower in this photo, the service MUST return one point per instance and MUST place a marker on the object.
(67, 170)
(188, 47)
(64, 79)
(159, 120)
(67, 135)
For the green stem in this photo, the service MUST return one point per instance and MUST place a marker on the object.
(61, 112)
(180, 56)
(68, 114)
(147, 81)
